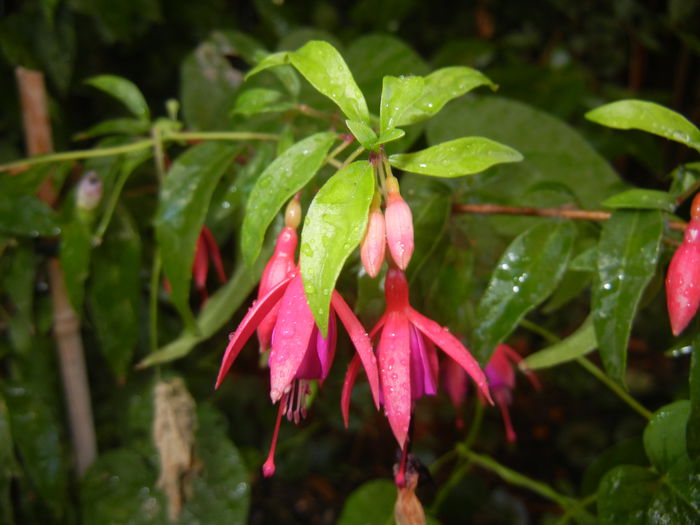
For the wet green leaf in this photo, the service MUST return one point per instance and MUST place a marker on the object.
(586, 261)
(370, 504)
(664, 436)
(399, 95)
(626, 452)
(440, 87)
(76, 248)
(125, 91)
(578, 344)
(261, 100)
(364, 134)
(635, 495)
(286, 175)
(24, 214)
(464, 156)
(627, 255)
(692, 432)
(527, 272)
(324, 68)
(334, 226)
(642, 199)
(389, 136)
(18, 282)
(649, 117)
(184, 199)
(114, 293)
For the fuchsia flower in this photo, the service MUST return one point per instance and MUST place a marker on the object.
(683, 277)
(373, 244)
(206, 250)
(500, 372)
(399, 225)
(299, 352)
(407, 357)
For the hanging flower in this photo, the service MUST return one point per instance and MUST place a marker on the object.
(399, 225)
(407, 357)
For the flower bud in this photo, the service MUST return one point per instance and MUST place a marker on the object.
(373, 245)
(683, 279)
(399, 226)
(89, 192)
(292, 214)
(408, 509)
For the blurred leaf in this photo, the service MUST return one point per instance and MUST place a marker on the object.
(8, 464)
(692, 432)
(586, 261)
(636, 495)
(184, 199)
(364, 134)
(649, 117)
(76, 247)
(334, 226)
(261, 100)
(399, 95)
(684, 178)
(117, 126)
(627, 255)
(324, 68)
(626, 452)
(527, 272)
(440, 87)
(125, 91)
(55, 44)
(114, 293)
(24, 214)
(370, 504)
(208, 85)
(642, 199)
(285, 176)
(18, 282)
(457, 157)
(578, 344)
(664, 436)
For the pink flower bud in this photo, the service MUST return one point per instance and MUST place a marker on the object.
(373, 245)
(89, 192)
(683, 279)
(399, 226)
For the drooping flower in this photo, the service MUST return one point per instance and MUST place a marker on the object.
(683, 276)
(399, 225)
(408, 365)
(299, 352)
(500, 371)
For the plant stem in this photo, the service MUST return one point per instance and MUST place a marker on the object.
(582, 504)
(567, 213)
(617, 389)
(111, 205)
(352, 157)
(219, 135)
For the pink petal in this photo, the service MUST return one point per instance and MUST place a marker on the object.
(683, 282)
(399, 230)
(377, 326)
(291, 338)
(452, 347)
(518, 360)
(247, 326)
(200, 266)
(503, 400)
(499, 370)
(214, 253)
(319, 355)
(395, 373)
(454, 380)
(348, 383)
(373, 244)
(360, 340)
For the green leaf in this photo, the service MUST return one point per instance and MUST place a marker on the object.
(184, 199)
(261, 100)
(24, 214)
(636, 495)
(578, 344)
(464, 156)
(642, 199)
(364, 134)
(664, 436)
(271, 60)
(76, 247)
(216, 312)
(627, 254)
(649, 117)
(692, 433)
(334, 226)
(18, 282)
(586, 261)
(324, 68)
(8, 464)
(626, 452)
(285, 176)
(527, 272)
(399, 94)
(370, 504)
(114, 293)
(389, 136)
(125, 91)
(117, 126)
(440, 87)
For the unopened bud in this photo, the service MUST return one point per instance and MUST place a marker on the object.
(399, 226)
(408, 509)
(89, 192)
(683, 279)
(292, 215)
(373, 244)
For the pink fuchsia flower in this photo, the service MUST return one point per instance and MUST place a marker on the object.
(399, 225)
(299, 352)
(373, 245)
(683, 276)
(280, 266)
(407, 357)
(500, 372)
(205, 251)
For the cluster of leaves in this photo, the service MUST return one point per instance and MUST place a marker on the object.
(486, 277)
